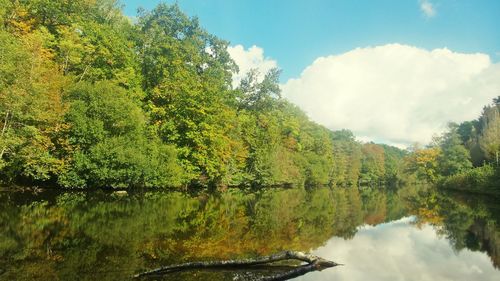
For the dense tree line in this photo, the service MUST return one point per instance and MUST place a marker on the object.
(466, 156)
(90, 99)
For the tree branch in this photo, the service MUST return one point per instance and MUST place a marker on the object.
(314, 263)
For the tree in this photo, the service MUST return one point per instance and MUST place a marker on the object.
(468, 132)
(489, 139)
(347, 157)
(423, 163)
(259, 95)
(373, 163)
(31, 107)
(393, 163)
(187, 74)
(109, 145)
(454, 157)
(92, 40)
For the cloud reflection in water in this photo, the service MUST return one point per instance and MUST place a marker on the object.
(398, 250)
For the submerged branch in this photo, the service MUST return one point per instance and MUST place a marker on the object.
(313, 263)
(296, 272)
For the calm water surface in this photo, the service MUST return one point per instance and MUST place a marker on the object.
(405, 234)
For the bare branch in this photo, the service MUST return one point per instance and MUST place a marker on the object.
(313, 263)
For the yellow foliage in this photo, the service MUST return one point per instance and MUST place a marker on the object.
(424, 162)
(429, 216)
(19, 20)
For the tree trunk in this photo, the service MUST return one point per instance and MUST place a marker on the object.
(5, 122)
(313, 263)
(4, 129)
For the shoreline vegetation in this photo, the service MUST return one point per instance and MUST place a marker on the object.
(482, 180)
(91, 99)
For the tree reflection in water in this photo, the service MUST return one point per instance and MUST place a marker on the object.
(88, 236)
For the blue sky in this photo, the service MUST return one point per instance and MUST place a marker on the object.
(295, 33)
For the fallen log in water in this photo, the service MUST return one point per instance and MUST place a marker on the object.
(313, 263)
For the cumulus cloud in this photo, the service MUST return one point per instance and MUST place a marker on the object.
(396, 94)
(416, 254)
(251, 58)
(427, 8)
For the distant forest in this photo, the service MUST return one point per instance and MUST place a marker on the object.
(91, 99)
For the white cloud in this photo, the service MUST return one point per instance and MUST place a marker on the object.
(427, 8)
(252, 58)
(395, 93)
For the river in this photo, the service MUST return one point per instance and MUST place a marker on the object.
(411, 233)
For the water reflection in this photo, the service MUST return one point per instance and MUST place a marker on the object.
(400, 251)
(88, 236)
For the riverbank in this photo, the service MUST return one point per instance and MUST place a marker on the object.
(482, 180)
